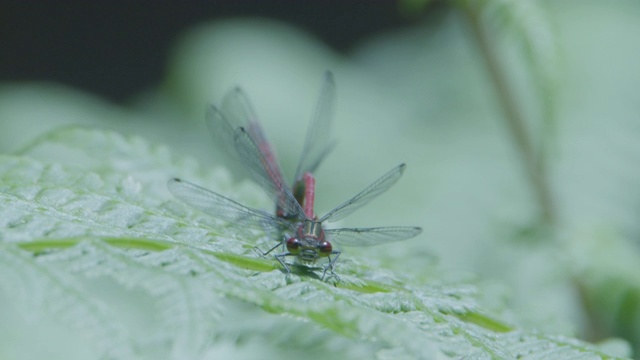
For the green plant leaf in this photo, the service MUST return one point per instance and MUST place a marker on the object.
(92, 241)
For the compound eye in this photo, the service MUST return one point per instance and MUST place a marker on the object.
(325, 248)
(293, 245)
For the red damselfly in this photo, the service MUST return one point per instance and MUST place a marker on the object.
(307, 240)
(235, 126)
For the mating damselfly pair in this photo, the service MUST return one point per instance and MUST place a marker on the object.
(236, 129)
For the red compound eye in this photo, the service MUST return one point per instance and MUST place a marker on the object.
(293, 245)
(325, 248)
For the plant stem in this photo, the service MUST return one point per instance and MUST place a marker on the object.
(515, 122)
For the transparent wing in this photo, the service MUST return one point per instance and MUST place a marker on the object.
(318, 142)
(239, 113)
(238, 109)
(371, 236)
(236, 112)
(365, 196)
(224, 208)
(236, 116)
(264, 174)
(221, 131)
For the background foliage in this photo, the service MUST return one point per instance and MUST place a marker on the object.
(518, 122)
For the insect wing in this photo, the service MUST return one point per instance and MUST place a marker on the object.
(263, 173)
(235, 119)
(224, 208)
(221, 131)
(236, 112)
(239, 113)
(365, 196)
(371, 236)
(238, 109)
(318, 142)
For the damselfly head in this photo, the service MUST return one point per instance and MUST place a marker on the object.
(308, 248)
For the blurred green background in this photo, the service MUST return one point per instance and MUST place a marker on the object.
(518, 121)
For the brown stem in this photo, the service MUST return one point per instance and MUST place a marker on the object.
(534, 166)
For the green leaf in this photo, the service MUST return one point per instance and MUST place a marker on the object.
(92, 241)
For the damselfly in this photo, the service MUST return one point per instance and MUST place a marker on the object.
(236, 128)
(307, 239)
